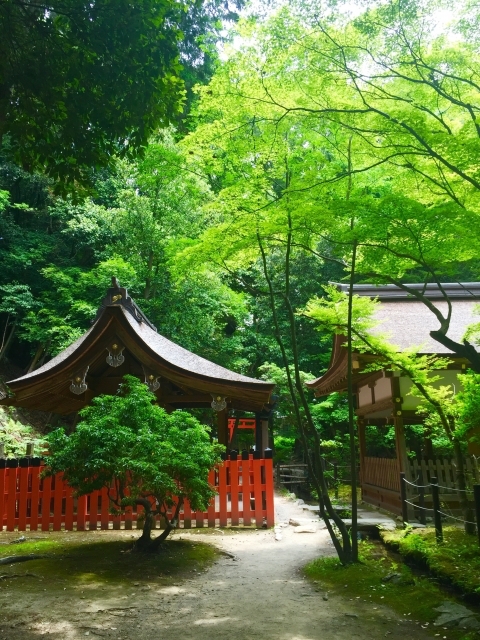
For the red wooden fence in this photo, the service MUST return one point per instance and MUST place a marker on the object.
(27, 502)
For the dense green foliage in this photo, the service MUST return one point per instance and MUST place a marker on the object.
(141, 454)
(319, 137)
(15, 435)
(81, 82)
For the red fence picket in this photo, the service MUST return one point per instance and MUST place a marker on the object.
(244, 489)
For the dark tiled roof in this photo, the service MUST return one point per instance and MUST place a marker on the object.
(407, 322)
(454, 290)
(184, 359)
(167, 350)
(58, 359)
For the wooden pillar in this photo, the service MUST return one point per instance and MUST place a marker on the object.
(264, 435)
(402, 457)
(362, 448)
(261, 433)
(259, 446)
(222, 427)
(401, 445)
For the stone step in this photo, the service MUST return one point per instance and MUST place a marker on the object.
(372, 524)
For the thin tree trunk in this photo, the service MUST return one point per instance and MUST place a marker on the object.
(344, 552)
(145, 540)
(45, 353)
(36, 357)
(9, 340)
(148, 279)
(351, 416)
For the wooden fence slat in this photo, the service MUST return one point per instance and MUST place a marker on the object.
(11, 498)
(187, 515)
(46, 494)
(22, 498)
(246, 488)
(69, 505)
(234, 492)
(199, 519)
(212, 511)
(222, 493)
(3, 488)
(35, 498)
(81, 513)
(440, 475)
(105, 513)
(93, 512)
(257, 491)
(270, 507)
(57, 502)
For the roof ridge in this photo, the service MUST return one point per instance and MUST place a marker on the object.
(117, 296)
(431, 290)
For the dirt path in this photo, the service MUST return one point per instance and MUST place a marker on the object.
(260, 593)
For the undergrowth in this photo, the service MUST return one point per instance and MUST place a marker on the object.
(456, 560)
(15, 435)
(414, 598)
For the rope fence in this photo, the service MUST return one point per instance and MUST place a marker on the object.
(434, 490)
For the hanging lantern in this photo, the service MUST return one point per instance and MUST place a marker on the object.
(115, 357)
(219, 403)
(152, 382)
(79, 385)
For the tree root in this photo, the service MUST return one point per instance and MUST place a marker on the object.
(7, 576)
(14, 559)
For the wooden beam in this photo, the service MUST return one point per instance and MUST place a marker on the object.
(222, 426)
(382, 405)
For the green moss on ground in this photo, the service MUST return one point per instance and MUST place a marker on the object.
(413, 597)
(455, 561)
(82, 559)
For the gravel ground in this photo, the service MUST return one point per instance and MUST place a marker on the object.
(255, 590)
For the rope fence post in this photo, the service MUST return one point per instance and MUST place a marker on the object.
(403, 496)
(476, 495)
(436, 509)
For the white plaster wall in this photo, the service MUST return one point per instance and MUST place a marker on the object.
(448, 377)
(364, 396)
(383, 389)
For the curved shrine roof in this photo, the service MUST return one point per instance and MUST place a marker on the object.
(406, 322)
(186, 379)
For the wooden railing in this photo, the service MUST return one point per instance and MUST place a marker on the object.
(384, 472)
(445, 470)
(381, 472)
(28, 502)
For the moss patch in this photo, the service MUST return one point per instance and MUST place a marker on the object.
(79, 559)
(455, 561)
(413, 597)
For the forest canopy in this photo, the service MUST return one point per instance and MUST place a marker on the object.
(226, 184)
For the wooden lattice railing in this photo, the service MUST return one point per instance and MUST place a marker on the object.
(381, 472)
